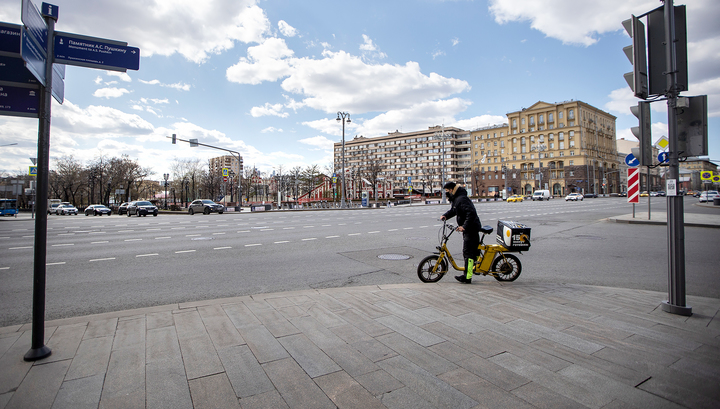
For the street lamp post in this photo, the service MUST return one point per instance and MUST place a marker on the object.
(539, 148)
(442, 138)
(166, 176)
(504, 172)
(341, 117)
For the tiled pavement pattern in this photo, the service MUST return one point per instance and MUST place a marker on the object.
(486, 345)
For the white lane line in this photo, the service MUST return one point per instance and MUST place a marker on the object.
(59, 263)
(192, 235)
(63, 245)
(66, 234)
(152, 229)
(222, 248)
(217, 233)
(408, 228)
(24, 237)
(393, 230)
(422, 227)
(99, 242)
(342, 224)
(253, 245)
(326, 225)
(102, 259)
(288, 228)
(125, 231)
(281, 242)
(184, 251)
(306, 227)
(354, 234)
(332, 237)
(163, 238)
(267, 229)
(373, 232)
(311, 238)
(4, 268)
(177, 228)
(244, 231)
(132, 240)
(146, 255)
(98, 232)
(20, 248)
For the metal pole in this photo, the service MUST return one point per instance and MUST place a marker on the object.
(38, 349)
(341, 117)
(675, 218)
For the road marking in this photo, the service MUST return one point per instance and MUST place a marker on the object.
(162, 238)
(20, 248)
(55, 264)
(66, 234)
(326, 225)
(63, 245)
(281, 242)
(132, 240)
(102, 259)
(373, 232)
(125, 231)
(218, 233)
(244, 231)
(184, 251)
(422, 227)
(192, 235)
(267, 229)
(152, 229)
(253, 245)
(288, 228)
(354, 234)
(4, 268)
(222, 248)
(408, 228)
(311, 238)
(147, 255)
(342, 224)
(97, 232)
(177, 228)
(305, 227)
(99, 242)
(332, 237)
(393, 230)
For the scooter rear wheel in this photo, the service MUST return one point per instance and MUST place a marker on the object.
(507, 268)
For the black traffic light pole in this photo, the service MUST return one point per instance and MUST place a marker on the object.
(676, 303)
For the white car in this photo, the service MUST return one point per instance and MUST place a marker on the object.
(66, 209)
(574, 196)
(708, 195)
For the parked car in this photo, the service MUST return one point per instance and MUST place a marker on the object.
(515, 198)
(541, 195)
(66, 209)
(52, 208)
(97, 210)
(205, 206)
(122, 209)
(574, 197)
(141, 208)
(708, 196)
(590, 195)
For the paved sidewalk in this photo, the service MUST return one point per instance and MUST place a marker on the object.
(446, 345)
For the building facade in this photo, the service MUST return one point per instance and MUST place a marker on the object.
(233, 163)
(562, 147)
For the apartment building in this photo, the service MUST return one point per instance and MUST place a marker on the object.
(233, 163)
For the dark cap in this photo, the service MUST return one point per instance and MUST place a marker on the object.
(449, 185)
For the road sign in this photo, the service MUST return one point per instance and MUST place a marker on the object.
(662, 143)
(94, 52)
(13, 71)
(32, 170)
(633, 184)
(706, 175)
(631, 160)
(19, 101)
(33, 56)
(34, 23)
(663, 157)
(58, 82)
(9, 39)
(225, 172)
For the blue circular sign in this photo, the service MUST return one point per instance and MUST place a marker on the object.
(631, 160)
(663, 157)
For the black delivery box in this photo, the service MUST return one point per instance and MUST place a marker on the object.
(514, 236)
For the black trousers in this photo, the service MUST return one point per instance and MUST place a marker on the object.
(471, 241)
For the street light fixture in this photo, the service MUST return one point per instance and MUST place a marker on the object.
(166, 176)
(539, 148)
(341, 117)
(441, 135)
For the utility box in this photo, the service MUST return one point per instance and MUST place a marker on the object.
(513, 236)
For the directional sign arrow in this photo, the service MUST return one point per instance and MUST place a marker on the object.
(663, 157)
(631, 160)
(94, 52)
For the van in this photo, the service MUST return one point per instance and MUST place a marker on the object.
(541, 195)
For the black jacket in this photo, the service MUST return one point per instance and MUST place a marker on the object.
(465, 211)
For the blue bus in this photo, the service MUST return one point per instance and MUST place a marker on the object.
(8, 207)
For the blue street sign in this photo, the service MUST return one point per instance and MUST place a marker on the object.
(33, 56)
(50, 10)
(663, 157)
(35, 24)
(93, 52)
(13, 71)
(19, 101)
(9, 39)
(631, 160)
(58, 83)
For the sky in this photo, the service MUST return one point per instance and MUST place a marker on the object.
(268, 77)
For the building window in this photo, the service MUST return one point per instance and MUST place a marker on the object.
(572, 153)
(571, 114)
(532, 120)
(550, 117)
(514, 123)
(560, 115)
(540, 119)
(572, 144)
(522, 121)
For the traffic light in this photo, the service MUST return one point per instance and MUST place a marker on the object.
(692, 126)
(643, 133)
(174, 139)
(638, 78)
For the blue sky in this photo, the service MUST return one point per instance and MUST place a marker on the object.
(267, 78)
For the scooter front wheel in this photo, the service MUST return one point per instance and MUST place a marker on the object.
(426, 266)
(506, 267)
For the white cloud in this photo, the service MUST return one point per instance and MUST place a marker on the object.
(286, 29)
(122, 75)
(269, 110)
(271, 129)
(318, 142)
(178, 86)
(110, 92)
(367, 44)
(455, 41)
(265, 62)
(369, 49)
(437, 54)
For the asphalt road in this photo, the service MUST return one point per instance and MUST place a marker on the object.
(99, 264)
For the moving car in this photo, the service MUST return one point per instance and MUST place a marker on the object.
(205, 206)
(541, 195)
(589, 195)
(122, 209)
(66, 209)
(515, 198)
(574, 196)
(97, 210)
(141, 208)
(708, 196)
(644, 193)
